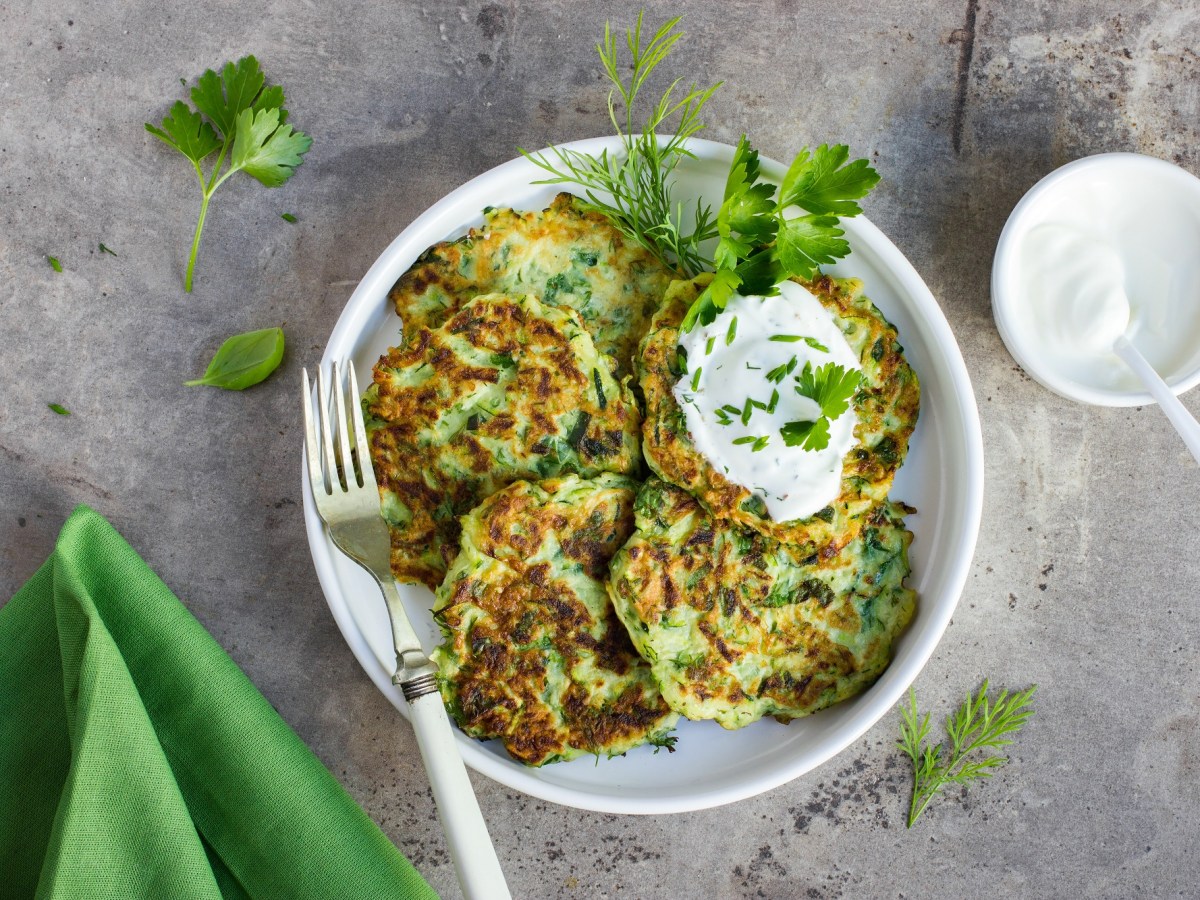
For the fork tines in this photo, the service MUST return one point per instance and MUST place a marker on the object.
(329, 462)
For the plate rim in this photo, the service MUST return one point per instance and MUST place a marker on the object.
(877, 700)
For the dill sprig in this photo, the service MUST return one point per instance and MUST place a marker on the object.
(978, 724)
(633, 188)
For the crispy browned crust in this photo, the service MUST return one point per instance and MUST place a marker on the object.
(505, 389)
(534, 653)
(563, 254)
(886, 405)
(737, 625)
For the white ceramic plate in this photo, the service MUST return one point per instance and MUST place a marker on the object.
(942, 477)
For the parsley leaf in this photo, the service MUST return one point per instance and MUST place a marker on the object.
(54, 263)
(807, 242)
(59, 408)
(289, 217)
(823, 182)
(809, 435)
(831, 387)
(758, 246)
(108, 250)
(242, 119)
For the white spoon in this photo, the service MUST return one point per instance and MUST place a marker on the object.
(1185, 423)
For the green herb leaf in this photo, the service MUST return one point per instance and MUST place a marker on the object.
(708, 345)
(187, 132)
(809, 435)
(824, 182)
(816, 345)
(107, 250)
(244, 360)
(732, 332)
(288, 217)
(633, 188)
(712, 299)
(223, 97)
(696, 378)
(54, 263)
(981, 723)
(831, 386)
(59, 408)
(245, 121)
(807, 242)
(781, 371)
(785, 338)
(265, 149)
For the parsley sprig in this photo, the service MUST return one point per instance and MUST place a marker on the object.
(761, 243)
(831, 387)
(242, 119)
(979, 724)
(633, 188)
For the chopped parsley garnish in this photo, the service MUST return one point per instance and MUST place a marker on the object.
(107, 250)
(759, 441)
(59, 408)
(732, 332)
(831, 387)
(708, 347)
(782, 371)
(696, 378)
(288, 217)
(54, 263)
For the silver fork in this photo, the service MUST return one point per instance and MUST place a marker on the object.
(347, 499)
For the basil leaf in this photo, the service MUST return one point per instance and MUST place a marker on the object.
(244, 360)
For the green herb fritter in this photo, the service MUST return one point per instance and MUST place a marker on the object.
(534, 653)
(737, 625)
(564, 255)
(886, 405)
(505, 389)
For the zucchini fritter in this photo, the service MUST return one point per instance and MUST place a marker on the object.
(505, 389)
(564, 255)
(534, 653)
(737, 625)
(886, 405)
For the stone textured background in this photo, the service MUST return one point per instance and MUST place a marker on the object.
(1085, 578)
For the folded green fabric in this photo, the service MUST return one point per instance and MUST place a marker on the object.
(136, 760)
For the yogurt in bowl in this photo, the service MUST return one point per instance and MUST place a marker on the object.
(1104, 246)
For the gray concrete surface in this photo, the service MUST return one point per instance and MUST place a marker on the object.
(1086, 573)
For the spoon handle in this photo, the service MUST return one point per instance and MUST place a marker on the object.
(1184, 422)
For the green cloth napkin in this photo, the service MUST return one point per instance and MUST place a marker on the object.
(136, 760)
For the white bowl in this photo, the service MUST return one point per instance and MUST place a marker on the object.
(1143, 184)
(943, 478)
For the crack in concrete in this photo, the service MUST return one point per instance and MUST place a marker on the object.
(965, 38)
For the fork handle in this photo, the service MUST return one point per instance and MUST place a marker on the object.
(475, 862)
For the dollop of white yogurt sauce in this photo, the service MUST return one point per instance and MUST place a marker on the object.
(1106, 257)
(793, 482)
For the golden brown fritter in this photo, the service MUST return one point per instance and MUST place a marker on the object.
(505, 389)
(534, 653)
(886, 405)
(737, 625)
(564, 255)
